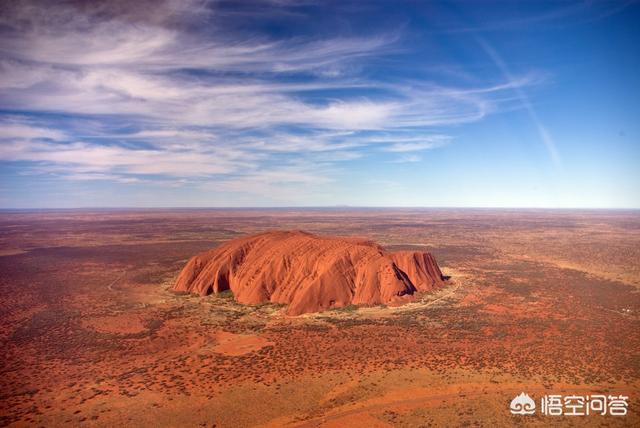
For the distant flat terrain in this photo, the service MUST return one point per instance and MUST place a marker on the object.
(545, 302)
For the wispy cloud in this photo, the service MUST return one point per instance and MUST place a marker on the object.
(414, 144)
(543, 134)
(407, 159)
(92, 158)
(177, 94)
(20, 129)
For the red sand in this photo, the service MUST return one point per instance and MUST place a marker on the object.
(239, 344)
(309, 273)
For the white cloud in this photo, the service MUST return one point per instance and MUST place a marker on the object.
(407, 159)
(198, 102)
(90, 158)
(16, 129)
(420, 143)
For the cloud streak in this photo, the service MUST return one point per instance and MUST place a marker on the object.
(178, 95)
(543, 134)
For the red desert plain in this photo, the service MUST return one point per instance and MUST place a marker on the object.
(315, 317)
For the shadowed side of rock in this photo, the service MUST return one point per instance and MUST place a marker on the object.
(421, 268)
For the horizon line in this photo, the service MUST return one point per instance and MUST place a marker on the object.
(338, 207)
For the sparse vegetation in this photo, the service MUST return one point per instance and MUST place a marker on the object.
(72, 343)
(226, 294)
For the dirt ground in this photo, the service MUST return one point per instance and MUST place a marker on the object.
(542, 302)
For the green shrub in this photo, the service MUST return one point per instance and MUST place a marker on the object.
(226, 294)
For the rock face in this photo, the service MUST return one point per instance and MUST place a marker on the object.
(309, 273)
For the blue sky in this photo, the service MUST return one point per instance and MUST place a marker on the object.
(309, 103)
